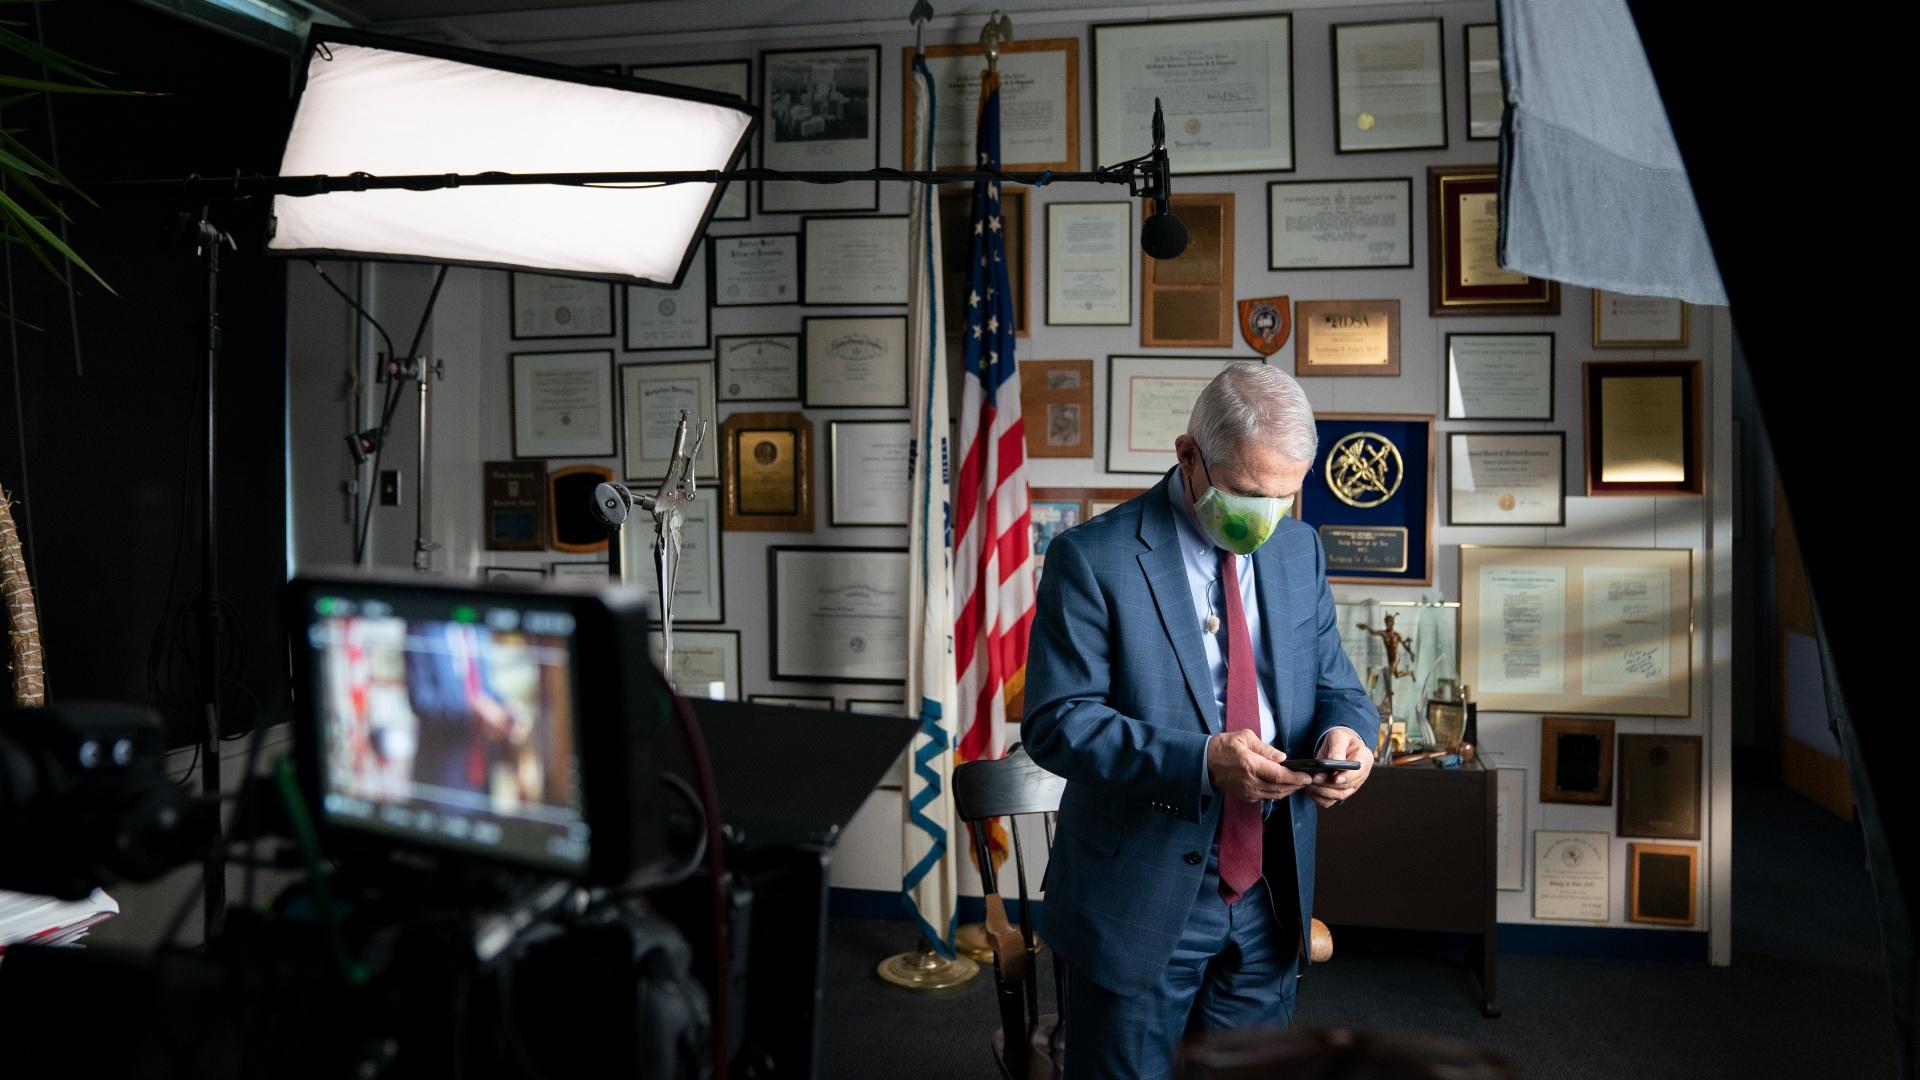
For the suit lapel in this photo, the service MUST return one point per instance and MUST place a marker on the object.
(1166, 573)
(1275, 588)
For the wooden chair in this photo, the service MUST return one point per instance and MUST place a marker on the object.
(1028, 1046)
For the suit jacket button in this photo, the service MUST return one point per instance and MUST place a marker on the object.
(1193, 858)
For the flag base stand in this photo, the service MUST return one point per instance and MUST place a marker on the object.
(926, 970)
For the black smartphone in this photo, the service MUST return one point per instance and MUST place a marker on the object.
(1321, 764)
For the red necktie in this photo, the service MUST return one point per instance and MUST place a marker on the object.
(1240, 824)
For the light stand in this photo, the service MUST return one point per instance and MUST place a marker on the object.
(207, 241)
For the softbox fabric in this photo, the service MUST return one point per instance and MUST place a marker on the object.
(1593, 189)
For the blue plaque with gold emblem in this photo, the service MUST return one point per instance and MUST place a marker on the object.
(1370, 496)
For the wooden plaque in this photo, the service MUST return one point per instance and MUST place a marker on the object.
(570, 520)
(1346, 337)
(1056, 403)
(516, 506)
(1188, 301)
(766, 472)
(1660, 786)
(1653, 441)
(1663, 884)
(1576, 761)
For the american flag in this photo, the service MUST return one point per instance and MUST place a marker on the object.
(993, 555)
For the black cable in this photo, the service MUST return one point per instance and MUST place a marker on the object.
(354, 304)
(716, 869)
(394, 387)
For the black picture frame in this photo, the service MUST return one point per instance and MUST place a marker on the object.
(1128, 259)
(808, 401)
(1453, 517)
(513, 313)
(833, 475)
(1553, 386)
(719, 357)
(612, 405)
(1440, 52)
(1293, 128)
(1466, 72)
(713, 268)
(808, 247)
(1411, 210)
(773, 613)
(767, 126)
(706, 311)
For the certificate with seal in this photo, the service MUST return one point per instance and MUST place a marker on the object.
(1570, 876)
(854, 261)
(1339, 224)
(755, 271)
(1225, 85)
(1389, 86)
(1089, 264)
(766, 472)
(652, 397)
(545, 306)
(867, 471)
(1507, 478)
(762, 367)
(1501, 376)
(839, 614)
(1148, 401)
(562, 404)
(671, 318)
(855, 362)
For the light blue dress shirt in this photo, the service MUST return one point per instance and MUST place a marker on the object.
(1202, 560)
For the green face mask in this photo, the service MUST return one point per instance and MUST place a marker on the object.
(1239, 523)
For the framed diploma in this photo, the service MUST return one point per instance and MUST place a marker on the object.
(578, 571)
(839, 614)
(1621, 321)
(1340, 224)
(699, 593)
(1500, 376)
(1056, 400)
(1576, 761)
(766, 472)
(706, 663)
(1188, 302)
(563, 404)
(1389, 86)
(516, 505)
(1663, 884)
(755, 271)
(1570, 876)
(1346, 337)
(857, 362)
(722, 77)
(1226, 86)
(855, 261)
(1507, 478)
(867, 471)
(572, 527)
(1371, 496)
(820, 111)
(761, 367)
(1486, 99)
(1464, 275)
(671, 318)
(1594, 631)
(1659, 786)
(1039, 105)
(545, 306)
(1510, 829)
(652, 397)
(956, 245)
(1148, 401)
(512, 575)
(791, 701)
(1090, 264)
(1645, 434)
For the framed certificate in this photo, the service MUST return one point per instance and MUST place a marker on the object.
(1188, 302)
(1659, 786)
(855, 361)
(1039, 87)
(956, 247)
(1346, 337)
(1570, 876)
(766, 472)
(545, 306)
(1486, 99)
(1507, 478)
(1389, 86)
(1644, 427)
(563, 404)
(855, 261)
(516, 505)
(699, 592)
(1593, 631)
(820, 111)
(1576, 761)
(1621, 321)
(867, 471)
(759, 367)
(1340, 224)
(838, 614)
(722, 77)
(755, 271)
(1226, 86)
(652, 397)
(1148, 401)
(578, 571)
(1090, 264)
(1056, 403)
(1663, 884)
(706, 663)
(671, 318)
(1464, 275)
(1503, 376)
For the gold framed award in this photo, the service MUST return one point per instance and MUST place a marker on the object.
(766, 471)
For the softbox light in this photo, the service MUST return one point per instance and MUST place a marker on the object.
(389, 107)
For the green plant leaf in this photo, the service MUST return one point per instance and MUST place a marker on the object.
(19, 167)
(69, 88)
(34, 225)
(56, 61)
(42, 197)
(26, 153)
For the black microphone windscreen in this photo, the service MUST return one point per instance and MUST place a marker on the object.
(612, 502)
(1163, 236)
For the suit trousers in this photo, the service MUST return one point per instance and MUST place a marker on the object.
(1237, 965)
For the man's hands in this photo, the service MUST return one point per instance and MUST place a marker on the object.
(1246, 768)
(1340, 743)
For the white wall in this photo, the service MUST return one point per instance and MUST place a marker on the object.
(471, 417)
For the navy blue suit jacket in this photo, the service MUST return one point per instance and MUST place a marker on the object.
(1119, 701)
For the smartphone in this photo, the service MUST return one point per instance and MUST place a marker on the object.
(1321, 765)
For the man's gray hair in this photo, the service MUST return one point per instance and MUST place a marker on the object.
(1253, 403)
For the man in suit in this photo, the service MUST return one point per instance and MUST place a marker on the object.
(1184, 647)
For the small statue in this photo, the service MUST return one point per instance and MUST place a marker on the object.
(1394, 642)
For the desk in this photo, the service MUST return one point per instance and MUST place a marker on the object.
(1414, 850)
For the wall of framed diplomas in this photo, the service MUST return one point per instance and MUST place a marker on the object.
(1489, 440)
